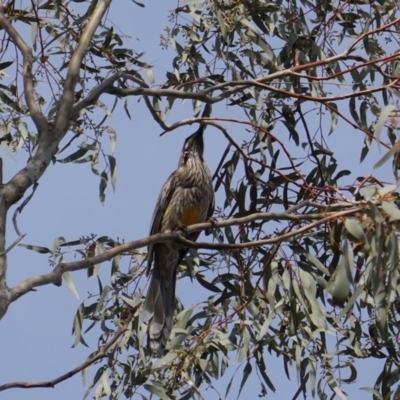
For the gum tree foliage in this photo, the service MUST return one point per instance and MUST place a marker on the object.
(302, 267)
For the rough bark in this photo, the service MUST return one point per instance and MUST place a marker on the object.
(49, 135)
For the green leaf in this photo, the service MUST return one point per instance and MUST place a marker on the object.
(374, 392)
(354, 228)
(34, 31)
(334, 385)
(56, 244)
(391, 209)
(113, 138)
(229, 385)
(183, 317)
(113, 171)
(134, 303)
(23, 135)
(209, 286)
(39, 249)
(157, 389)
(127, 109)
(138, 3)
(84, 375)
(245, 344)
(334, 117)
(150, 75)
(105, 378)
(74, 156)
(98, 249)
(353, 373)
(353, 111)
(73, 242)
(71, 286)
(103, 186)
(341, 281)
(103, 296)
(317, 263)
(96, 378)
(95, 163)
(246, 373)
(387, 156)
(222, 26)
(105, 109)
(5, 65)
(387, 189)
(383, 116)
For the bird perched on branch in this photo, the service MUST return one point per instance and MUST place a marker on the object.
(186, 198)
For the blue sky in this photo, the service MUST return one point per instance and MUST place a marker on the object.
(36, 336)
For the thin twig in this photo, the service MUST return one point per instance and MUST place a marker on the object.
(229, 88)
(310, 142)
(21, 207)
(12, 245)
(100, 354)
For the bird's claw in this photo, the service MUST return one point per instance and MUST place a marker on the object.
(182, 230)
(213, 221)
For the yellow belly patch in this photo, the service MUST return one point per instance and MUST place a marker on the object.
(190, 216)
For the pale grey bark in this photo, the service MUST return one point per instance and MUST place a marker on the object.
(49, 135)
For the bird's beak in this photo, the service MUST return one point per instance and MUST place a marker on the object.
(201, 130)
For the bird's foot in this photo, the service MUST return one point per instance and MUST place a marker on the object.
(213, 221)
(182, 230)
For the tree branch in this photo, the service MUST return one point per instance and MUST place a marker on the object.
(50, 136)
(94, 95)
(36, 114)
(100, 354)
(19, 209)
(232, 87)
(55, 276)
(12, 245)
(4, 291)
(62, 122)
(237, 87)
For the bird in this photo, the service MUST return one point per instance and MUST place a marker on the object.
(186, 198)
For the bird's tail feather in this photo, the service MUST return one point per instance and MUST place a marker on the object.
(159, 311)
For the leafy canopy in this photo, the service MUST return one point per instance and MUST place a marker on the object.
(303, 266)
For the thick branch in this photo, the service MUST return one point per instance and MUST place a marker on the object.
(42, 127)
(100, 354)
(56, 275)
(4, 291)
(64, 113)
(49, 139)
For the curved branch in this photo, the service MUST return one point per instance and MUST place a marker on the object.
(94, 95)
(237, 86)
(36, 114)
(232, 87)
(100, 354)
(55, 276)
(372, 32)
